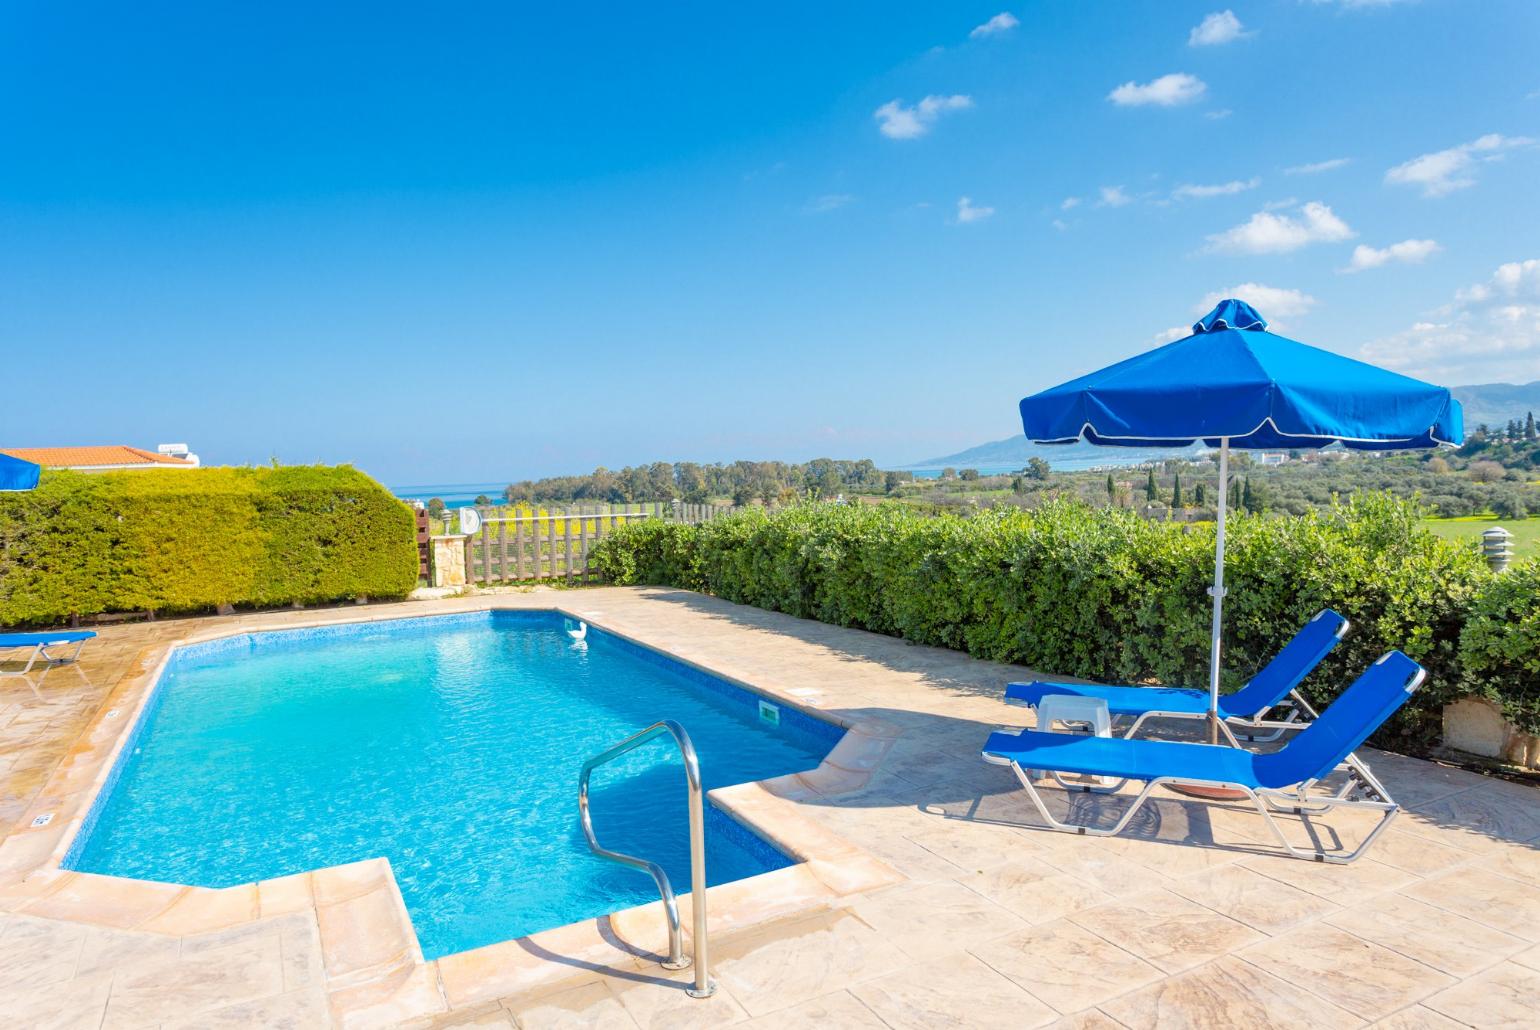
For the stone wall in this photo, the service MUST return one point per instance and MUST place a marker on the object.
(1476, 725)
(449, 561)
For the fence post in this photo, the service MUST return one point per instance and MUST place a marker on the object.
(550, 540)
(502, 552)
(583, 546)
(566, 526)
(486, 554)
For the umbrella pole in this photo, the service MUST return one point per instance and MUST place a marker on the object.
(1217, 591)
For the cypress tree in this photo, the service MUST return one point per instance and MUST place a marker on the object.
(1529, 426)
(1176, 490)
(1199, 495)
(1248, 498)
(1151, 489)
(1112, 489)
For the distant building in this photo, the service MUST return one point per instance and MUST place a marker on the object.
(1272, 458)
(109, 458)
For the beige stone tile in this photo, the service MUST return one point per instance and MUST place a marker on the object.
(1418, 1017)
(1167, 930)
(1518, 861)
(958, 991)
(1529, 957)
(105, 950)
(1477, 820)
(1416, 854)
(1503, 996)
(1090, 1019)
(1432, 936)
(1348, 971)
(296, 1010)
(364, 933)
(790, 962)
(832, 1010)
(660, 1003)
(972, 847)
(1496, 901)
(1251, 898)
(199, 910)
(1116, 876)
(36, 952)
(931, 920)
(1342, 884)
(1066, 965)
(486, 1017)
(1226, 993)
(410, 994)
(1035, 890)
(77, 1005)
(156, 990)
(589, 1007)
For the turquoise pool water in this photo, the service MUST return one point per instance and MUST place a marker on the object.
(450, 745)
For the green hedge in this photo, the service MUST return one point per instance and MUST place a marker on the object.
(188, 540)
(1096, 593)
(1500, 646)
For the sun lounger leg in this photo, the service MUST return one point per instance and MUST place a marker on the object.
(1063, 827)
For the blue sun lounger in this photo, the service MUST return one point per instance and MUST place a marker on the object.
(1274, 686)
(1279, 781)
(40, 644)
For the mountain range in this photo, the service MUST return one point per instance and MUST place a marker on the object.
(1490, 404)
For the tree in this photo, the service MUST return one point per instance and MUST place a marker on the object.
(949, 473)
(1112, 488)
(1530, 433)
(1438, 466)
(482, 500)
(1176, 490)
(1234, 500)
(1199, 495)
(1151, 488)
(436, 507)
(970, 475)
(1487, 471)
(1019, 485)
(892, 482)
(1248, 499)
(1037, 468)
(1510, 505)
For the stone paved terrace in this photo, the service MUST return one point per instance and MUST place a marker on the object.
(1193, 920)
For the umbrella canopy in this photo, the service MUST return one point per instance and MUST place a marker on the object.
(1234, 384)
(1232, 379)
(16, 474)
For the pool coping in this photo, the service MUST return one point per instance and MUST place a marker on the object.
(375, 973)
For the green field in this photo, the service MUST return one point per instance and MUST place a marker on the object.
(1526, 532)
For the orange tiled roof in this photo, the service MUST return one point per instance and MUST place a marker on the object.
(78, 457)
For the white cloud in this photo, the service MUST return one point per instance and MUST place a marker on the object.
(1172, 334)
(1217, 29)
(896, 121)
(1188, 191)
(1005, 21)
(1166, 91)
(826, 203)
(1491, 333)
(1059, 224)
(1113, 196)
(1069, 202)
(1270, 233)
(1445, 171)
(1411, 252)
(1271, 302)
(1215, 116)
(1279, 205)
(1318, 167)
(967, 211)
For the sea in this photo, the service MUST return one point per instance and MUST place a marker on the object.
(454, 495)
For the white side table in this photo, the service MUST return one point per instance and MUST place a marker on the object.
(1074, 713)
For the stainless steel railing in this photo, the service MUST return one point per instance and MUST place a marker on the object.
(704, 987)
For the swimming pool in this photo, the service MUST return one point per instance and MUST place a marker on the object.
(450, 745)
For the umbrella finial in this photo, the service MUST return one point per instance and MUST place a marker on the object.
(1230, 314)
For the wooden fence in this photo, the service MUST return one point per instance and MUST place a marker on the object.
(554, 545)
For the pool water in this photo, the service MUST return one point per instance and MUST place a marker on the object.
(451, 745)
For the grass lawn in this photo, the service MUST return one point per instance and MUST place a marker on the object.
(1526, 532)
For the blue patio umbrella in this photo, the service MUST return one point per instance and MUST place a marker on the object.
(16, 474)
(1231, 383)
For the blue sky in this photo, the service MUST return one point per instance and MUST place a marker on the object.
(498, 241)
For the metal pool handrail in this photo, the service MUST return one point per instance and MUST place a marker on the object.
(703, 987)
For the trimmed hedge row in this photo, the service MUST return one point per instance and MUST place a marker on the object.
(1106, 595)
(186, 540)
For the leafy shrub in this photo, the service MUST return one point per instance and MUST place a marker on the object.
(1500, 646)
(187, 540)
(1096, 593)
